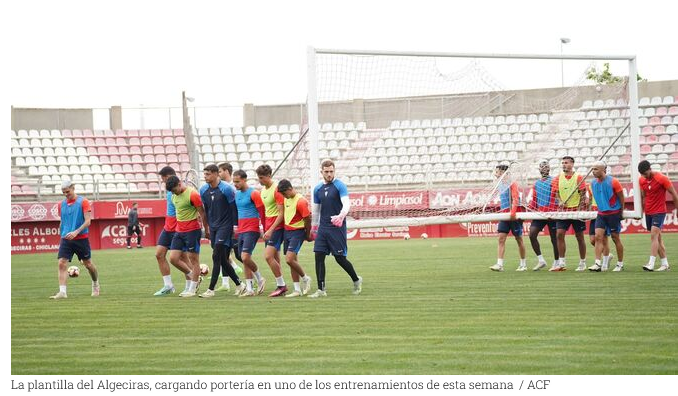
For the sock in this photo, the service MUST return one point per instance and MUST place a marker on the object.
(500, 262)
(606, 260)
(62, 289)
(665, 261)
(95, 283)
(541, 258)
(297, 288)
(167, 280)
(651, 261)
(258, 276)
(234, 265)
(224, 281)
(249, 284)
(188, 284)
(523, 262)
(306, 278)
(561, 261)
(598, 262)
(192, 286)
(280, 281)
(189, 275)
(620, 263)
(582, 261)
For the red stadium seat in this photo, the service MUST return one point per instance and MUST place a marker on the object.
(156, 132)
(158, 149)
(90, 142)
(87, 133)
(185, 167)
(132, 132)
(125, 159)
(92, 150)
(655, 121)
(170, 149)
(184, 158)
(104, 159)
(134, 141)
(178, 132)
(182, 149)
(120, 133)
(100, 141)
(76, 133)
(110, 141)
(145, 141)
(66, 133)
(112, 149)
(168, 140)
(160, 158)
(151, 168)
(123, 150)
(116, 168)
(166, 132)
(120, 141)
(156, 141)
(144, 132)
(135, 150)
(180, 140)
(115, 159)
(149, 158)
(143, 187)
(137, 159)
(80, 142)
(645, 149)
(147, 150)
(172, 158)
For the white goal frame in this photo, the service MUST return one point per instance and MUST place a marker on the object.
(313, 125)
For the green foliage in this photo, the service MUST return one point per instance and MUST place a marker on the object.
(605, 76)
(428, 307)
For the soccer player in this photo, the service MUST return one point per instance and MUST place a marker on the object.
(76, 216)
(330, 200)
(592, 232)
(653, 188)
(273, 225)
(543, 200)
(609, 196)
(225, 172)
(572, 197)
(188, 206)
(218, 199)
(509, 202)
(250, 213)
(165, 241)
(133, 226)
(297, 229)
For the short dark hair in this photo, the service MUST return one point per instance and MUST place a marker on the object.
(264, 170)
(226, 166)
(644, 166)
(502, 167)
(167, 171)
(327, 163)
(211, 168)
(134, 204)
(172, 182)
(284, 185)
(567, 157)
(241, 174)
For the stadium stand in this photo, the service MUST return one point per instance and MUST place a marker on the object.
(438, 151)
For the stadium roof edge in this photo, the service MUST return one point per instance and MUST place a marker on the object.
(472, 55)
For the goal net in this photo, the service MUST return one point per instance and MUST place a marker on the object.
(443, 138)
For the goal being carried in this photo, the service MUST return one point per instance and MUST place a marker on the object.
(437, 125)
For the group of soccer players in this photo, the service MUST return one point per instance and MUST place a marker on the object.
(569, 192)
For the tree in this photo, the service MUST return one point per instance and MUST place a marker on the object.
(605, 76)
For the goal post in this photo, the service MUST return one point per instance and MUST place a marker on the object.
(347, 88)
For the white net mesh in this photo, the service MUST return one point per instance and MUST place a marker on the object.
(418, 139)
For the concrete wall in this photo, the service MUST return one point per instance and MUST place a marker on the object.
(23, 118)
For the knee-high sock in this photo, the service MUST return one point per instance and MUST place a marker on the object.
(320, 269)
(347, 266)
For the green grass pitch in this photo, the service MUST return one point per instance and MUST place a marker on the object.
(428, 307)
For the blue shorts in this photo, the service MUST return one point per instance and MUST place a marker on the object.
(516, 227)
(222, 236)
(610, 222)
(592, 228)
(577, 225)
(79, 247)
(331, 241)
(540, 224)
(247, 241)
(187, 241)
(293, 239)
(276, 239)
(655, 220)
(165, 238)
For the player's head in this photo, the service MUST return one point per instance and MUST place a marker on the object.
(68, 189)
(645, 169)
(225, 171)
(211, 174)
(166, 172)
(264, 174)
(544, 168)
(134, 205)
(499, 170)
(327, 170)
(568, 163)
(285, 188)
(240, 179)
(599, 169)
(173, 184)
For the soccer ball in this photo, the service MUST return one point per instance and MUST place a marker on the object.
(424, 236)
(204, 269)
(73, 271)
(406, 237)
